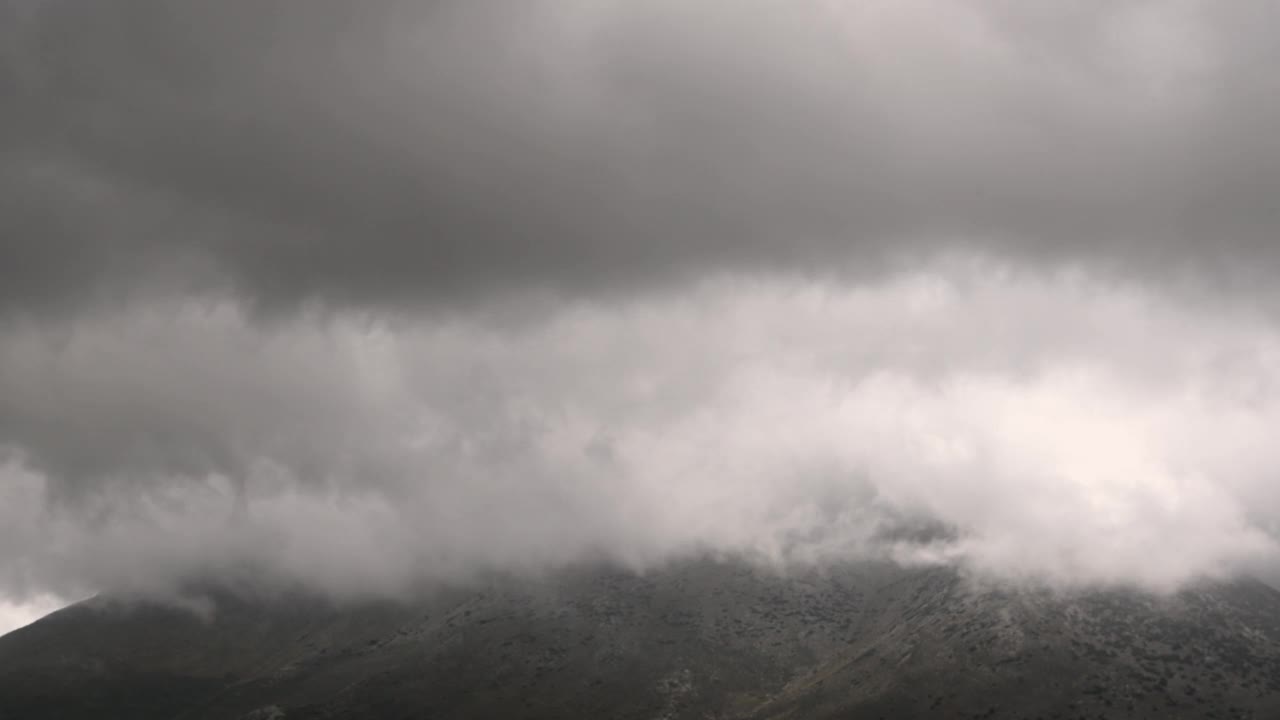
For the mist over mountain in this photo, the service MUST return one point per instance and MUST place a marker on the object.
(314, 311)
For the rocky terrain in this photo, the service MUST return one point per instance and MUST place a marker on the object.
(699, 640)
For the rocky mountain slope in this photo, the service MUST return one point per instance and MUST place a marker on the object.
(699, 640)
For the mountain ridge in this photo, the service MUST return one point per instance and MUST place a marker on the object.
(699, 639)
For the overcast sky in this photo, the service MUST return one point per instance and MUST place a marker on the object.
(360, 296)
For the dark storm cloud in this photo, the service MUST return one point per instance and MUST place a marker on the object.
(395, 150)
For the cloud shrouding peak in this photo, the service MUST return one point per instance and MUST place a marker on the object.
(1045, 426)
(969, 282)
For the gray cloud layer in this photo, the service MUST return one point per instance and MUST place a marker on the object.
(812, 280)
(407, 151)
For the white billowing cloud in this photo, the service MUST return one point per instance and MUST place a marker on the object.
(1030, 425)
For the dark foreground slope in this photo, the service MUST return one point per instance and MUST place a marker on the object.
(702, 640)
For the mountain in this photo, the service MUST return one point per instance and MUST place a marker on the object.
(702, 639)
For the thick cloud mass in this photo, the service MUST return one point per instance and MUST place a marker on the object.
(1077, 433)
(361, 295)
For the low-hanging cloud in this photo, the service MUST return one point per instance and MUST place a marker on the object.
(1048, 427)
